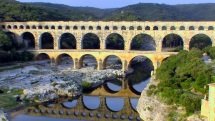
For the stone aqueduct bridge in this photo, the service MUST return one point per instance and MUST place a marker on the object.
(128, 30)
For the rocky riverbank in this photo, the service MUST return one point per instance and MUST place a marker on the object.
(3, 116)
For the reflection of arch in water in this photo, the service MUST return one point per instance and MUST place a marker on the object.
(112, 62)
(70, 104)
(113, 86)
(114, 104)
(133, 103)
(88, 100)
(88, 61)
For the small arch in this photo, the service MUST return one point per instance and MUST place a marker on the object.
(98, 28)
(182, 28)
(115, 28)
(43, 57)
(3, 26)
(88, 61)
(106, 27)
(210, 28)
(21, 27)
(139, 28)
(90, 41)
(172, 28)
(9, 27)
(28, 40)
(172, 43)
(67, 28)
(46, 27)
(46, 41)
(131, 28)
(201, 28)
(82, 27)
(90, 28)
(164, 28)
(15, 27)
(60, 27)
(123, 28)
(52, 27)
(200, 41)
(65, 60)
(114, 41)
(143, 42)
(112, 62)
(155, 28)
(27, 27)
(34, 27)
(147, 28)
(191, 28)
(67, 41)
(40, 27)
(75, 28)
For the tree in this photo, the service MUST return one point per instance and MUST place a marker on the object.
(5, 42)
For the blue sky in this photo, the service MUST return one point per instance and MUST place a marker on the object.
(116, 3)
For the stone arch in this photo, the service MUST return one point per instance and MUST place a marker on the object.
(200, 41)
(191, 28)
(143, 42)
(90, 41)
(60, 27)
(115, 41)
(3, 26)
(65, 59)
(27, 27)
(42, 56)
(82, 27)
(115, 28)
(15, 27)
(172, 28)
(123, 28)
(131, 28)
(182, 28)
(164, 28)
(88, 60)
(201, 28)
(139, 28)
(172, 43)
(52, 27)
(46, 41)
(155, 28)
(75, 28)
(9, 27)
(46, 27)
(98, 28)
(107, 28)
(34, 27)
(40, 27)
(67, 27)
(67, 41)
(210, 28)
(147, 28)
(28, 40)
(90, 27)
(21, 27)
(112, 62)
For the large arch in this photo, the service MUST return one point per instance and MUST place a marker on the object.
(42, 57)
(65, 60)
(67, 41)
(139, 73)
(112, 62)
(88, 61)
(28, 40)
(200, 41)
(114, 41)
(90, 41)
(172, 43)
(114, 104)
(143, 42)
(46, 41)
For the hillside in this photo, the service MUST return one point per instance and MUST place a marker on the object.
(11, 10)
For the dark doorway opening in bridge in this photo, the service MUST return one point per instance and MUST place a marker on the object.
(43, 58)
(200, 41)
(15, 43)
(65, 60)
(88, 61)
(90, 41)
(67, 41)
(115, 104)
(139, 73)
(114, 42)
(112, 62)
(46, 41)
(143, 42)
(172, 43)
(28, 40)
(91, 102)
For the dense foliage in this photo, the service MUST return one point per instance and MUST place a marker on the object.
(183, 78)
(11, 10)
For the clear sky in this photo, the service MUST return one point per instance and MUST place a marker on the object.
(116, 3)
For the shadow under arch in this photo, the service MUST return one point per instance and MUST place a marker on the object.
(112, 62)
(64, 59)
(46, 41)
(28, 40)
(172, 43)
(114, 41)
(67, 41)
(200, 41)
(143, 42)
(142, 68)
(90, 41)
(88, 60)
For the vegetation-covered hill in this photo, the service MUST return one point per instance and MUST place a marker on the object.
(11, 10)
